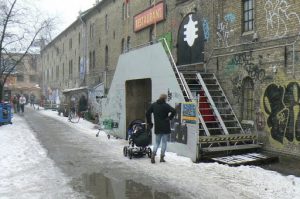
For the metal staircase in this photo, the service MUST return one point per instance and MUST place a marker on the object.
(220, 132)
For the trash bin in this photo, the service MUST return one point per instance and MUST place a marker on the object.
(5, 113)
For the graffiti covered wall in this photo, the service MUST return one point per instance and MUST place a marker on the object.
(280, 103)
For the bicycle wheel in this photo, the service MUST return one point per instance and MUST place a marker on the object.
(74, 117)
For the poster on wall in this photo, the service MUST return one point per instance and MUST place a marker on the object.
(189, 113)
(178, 128)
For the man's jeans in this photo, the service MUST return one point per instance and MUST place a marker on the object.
(160, 138)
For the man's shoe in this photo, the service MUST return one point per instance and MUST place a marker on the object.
(153, 159)
(162, 158)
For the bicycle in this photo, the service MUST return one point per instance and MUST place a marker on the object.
(74, 116)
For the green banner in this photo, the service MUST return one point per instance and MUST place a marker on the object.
(168, 37)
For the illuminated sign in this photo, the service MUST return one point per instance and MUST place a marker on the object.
(149, 17)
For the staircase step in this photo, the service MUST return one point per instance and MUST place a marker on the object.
(206, 74)
(218, 96)
(214, 128)
(228, 121)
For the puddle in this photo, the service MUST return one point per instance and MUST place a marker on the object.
(101, 187)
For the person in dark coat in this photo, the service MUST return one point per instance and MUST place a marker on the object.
(163, 113)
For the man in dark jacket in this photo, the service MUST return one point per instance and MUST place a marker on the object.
(163, 113)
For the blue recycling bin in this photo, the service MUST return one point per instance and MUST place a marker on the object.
(5, 113)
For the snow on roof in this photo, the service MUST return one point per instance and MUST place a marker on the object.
(74, 89)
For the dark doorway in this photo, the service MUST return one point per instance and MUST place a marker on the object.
(190, 41)
(138, 99)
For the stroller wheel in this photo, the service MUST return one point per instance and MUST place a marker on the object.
(130, 153)
(125, 151)
(149, 153)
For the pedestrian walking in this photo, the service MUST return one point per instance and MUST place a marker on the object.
(32, 100)
(15, 103)
(18, 103)
(163, 113)
(22, 102)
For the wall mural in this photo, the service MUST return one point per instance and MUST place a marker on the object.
(281, 105)
(224, 29)
(278, 16)
(190, 41)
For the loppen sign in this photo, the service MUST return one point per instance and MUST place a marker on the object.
(149, 16)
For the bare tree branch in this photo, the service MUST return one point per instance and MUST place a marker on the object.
(19, 31)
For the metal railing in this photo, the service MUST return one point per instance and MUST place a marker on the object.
(175, 68)
(239, 124)
(213, 104)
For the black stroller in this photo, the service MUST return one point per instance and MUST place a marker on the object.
(139, 137)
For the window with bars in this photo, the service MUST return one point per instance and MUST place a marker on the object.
(248, 19)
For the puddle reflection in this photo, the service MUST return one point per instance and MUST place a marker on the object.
(101, 187)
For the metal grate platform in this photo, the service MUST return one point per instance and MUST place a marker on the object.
(246, 159)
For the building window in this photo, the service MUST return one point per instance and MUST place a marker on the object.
(94, 59)
(52, 73)
(70, 43)
(57, 72)
(128, 43)
(247, 99)
(63, 72)
(90, 60)
(106, 56)
(70, 68)
(79, 38)
(79, 65)
(33, 78)
(20, 78)
(248, 15)
(123, 46)
(127, 9)
(106, 23)
(123, 11)
(92, 30)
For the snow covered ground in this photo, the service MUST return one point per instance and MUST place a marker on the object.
(204, 180)
(27, 172)
(25, 169)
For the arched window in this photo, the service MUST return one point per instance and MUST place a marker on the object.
(247, 108)
(106, 55)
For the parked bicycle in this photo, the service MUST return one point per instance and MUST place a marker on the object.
(74, 115)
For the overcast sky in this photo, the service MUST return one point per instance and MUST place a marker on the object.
(65, 10)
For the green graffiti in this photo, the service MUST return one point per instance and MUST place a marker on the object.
(231, 67)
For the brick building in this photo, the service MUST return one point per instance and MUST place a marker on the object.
(25, 77)
(251, 45)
